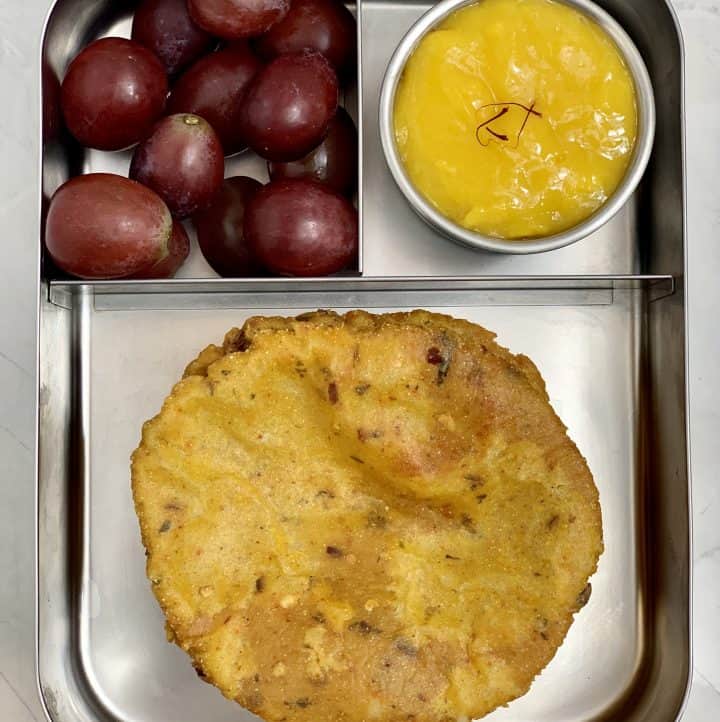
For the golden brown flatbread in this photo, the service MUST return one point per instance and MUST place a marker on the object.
(365, 517)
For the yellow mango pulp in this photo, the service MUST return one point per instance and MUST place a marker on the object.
(516, 118)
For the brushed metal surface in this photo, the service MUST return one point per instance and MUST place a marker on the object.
(610, 343)
(434, 17)
(110, 362)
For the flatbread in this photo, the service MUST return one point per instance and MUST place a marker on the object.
(365, 517)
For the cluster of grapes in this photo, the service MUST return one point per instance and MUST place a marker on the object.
(272, 86)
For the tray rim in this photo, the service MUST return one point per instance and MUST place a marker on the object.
(686, 354)
(168, 285)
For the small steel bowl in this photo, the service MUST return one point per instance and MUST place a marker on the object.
(455, 232)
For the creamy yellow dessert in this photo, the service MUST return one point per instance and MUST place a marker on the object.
(516, 118)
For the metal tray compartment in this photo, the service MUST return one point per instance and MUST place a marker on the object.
(73, 24)
(111, 357)
(603, 319)
(645, 237)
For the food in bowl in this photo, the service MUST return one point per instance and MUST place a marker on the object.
(365, 517)
(516, 119)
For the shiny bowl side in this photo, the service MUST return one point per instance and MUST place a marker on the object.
(427, 211)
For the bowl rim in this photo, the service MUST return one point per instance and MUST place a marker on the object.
(645, 103)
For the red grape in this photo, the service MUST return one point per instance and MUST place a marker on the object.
(113, 93)
(237, 18)
(323, 25)
(334, 162)
(182, 161)
(214, 88)
(165, 27)
(177, 252)
(105, 226)
(301, 228)
(220, 229)
(289, 106)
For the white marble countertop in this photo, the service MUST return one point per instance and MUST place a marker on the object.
(20, 25)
